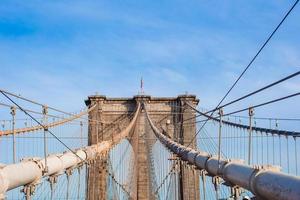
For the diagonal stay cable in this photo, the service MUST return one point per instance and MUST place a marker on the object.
(114, 178)
(45, 128)
(40, 104)
(264, 104)
(241, 110)
(33, 102)
(273, 131)
(251, 61)
(259, 51)
(247, 95)
(256, 91)
(165, 178)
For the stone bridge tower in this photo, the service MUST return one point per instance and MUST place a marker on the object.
(113, 114)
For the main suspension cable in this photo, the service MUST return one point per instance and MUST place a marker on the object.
(250, 63)
(44, 127)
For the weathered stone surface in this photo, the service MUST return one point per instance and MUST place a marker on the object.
(114, 114)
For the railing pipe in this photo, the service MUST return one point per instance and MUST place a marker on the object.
(30, 171)
(48, 125)
(264, 182)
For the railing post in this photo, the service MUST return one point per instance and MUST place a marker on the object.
(203, 174)
(87, 168)
(29, 190)
(220, 135)
(279, 135)
(81, 133)
(52, 180)
(236, 192)
(216, 180)
(68, 174)
(251, 113)
(45, 123)
(296, 160)
(78, 192)
(13, 114)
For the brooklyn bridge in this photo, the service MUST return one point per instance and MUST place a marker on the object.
(148, 146)
(145, 148)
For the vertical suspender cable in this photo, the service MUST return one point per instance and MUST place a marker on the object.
(220, 135)
(273, 147)
(296, 157)
(267, 147)
(78, 192)
(262, 147)
(13, 113)
(251, 112)
(287, 153)
(45, 121)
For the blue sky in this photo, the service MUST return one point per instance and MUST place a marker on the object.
(59, 52)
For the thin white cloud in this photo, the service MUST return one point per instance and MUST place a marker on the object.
(173, 76)
(203, 60)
